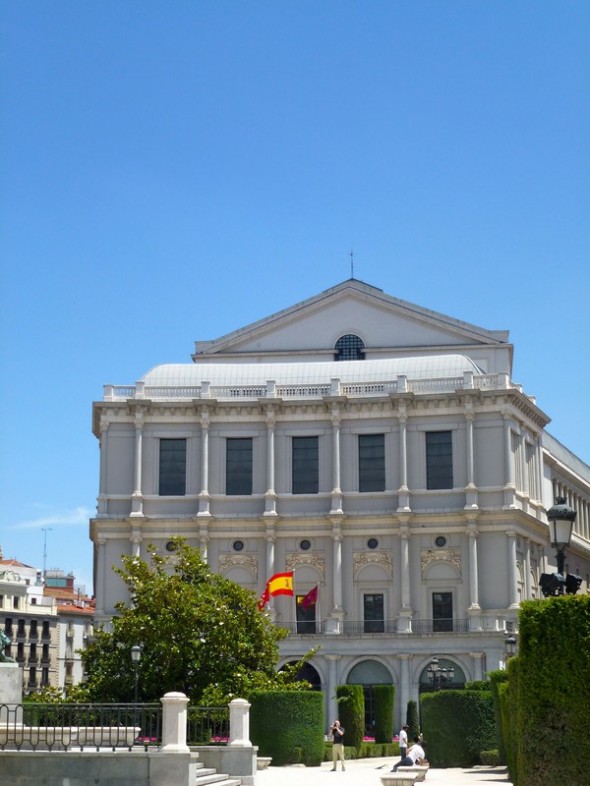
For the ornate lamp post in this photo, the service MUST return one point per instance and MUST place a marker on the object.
(561, 522)
(439, 674)
(510, 647)
(135, 657)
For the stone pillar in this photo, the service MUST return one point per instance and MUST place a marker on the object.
(333, 682)
(337, 588)
(509, 486)
(174, 714)
(471, 488)
(270, 495)
(403, 494)
(404, 622)
(204, 540)
(404, 687)
(102, 490)
(100, 581)
(474, 610)
(336, 504)
(136, 541)
(137, 496)
(239, 724)
(204, 496)
(512, 586)
(528, 591)
(476, 660)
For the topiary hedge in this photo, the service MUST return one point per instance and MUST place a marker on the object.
(553, 692)
(498, 678)
(288, 725)
(457, 725)
(383, 697)
(412, 720)
(351, 709)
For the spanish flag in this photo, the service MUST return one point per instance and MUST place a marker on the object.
(279, 584)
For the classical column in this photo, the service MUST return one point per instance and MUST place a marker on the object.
(102, 489)
(337, 575)
(509, 485)
(474, 610)
(100, 577)
(270, 495)
(204, 496)
(204, 540)
(528, 594)
(137, 496)
(471, 489)
(403, 494)
(404, 622)
(333, 682)
(136, 540)
(270, 561)
(512, 587)
(476, 660)
(404, 687)
(336, 504)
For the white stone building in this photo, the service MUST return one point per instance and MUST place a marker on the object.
(380, 450)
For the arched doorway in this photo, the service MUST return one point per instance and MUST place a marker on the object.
(308, 673)
(369, 673)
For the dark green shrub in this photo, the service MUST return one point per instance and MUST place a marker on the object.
(553, 692)
(490, 758)
(368, 750)
(477, 685)
(497, 678)
(412, 720)
(383, 697)
(288, 725)
(457, 725)
(351, 708)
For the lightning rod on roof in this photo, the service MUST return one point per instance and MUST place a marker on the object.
(45, 531)
(351, 263)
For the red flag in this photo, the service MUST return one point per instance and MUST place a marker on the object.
(310, 599)
(264, 598)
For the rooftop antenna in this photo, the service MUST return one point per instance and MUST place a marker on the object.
(351, 263)
(45, 531)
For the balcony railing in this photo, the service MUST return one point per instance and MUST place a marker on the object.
(310, 390)
(419, 627)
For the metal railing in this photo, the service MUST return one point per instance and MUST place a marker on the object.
(207, 725)
(419, 627)
(426, 627)
(36, 726)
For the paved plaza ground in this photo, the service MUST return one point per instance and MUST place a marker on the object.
(366, 772)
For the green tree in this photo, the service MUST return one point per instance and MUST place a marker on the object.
(200, 634)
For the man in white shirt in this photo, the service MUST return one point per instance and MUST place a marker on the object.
(415, 756)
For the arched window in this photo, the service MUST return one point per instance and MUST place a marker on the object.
(349, 347)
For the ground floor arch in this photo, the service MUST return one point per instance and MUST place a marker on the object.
(369, 673)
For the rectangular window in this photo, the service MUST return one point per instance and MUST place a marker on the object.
(33, 629)
(45, 629)
(439, 460)
(442, 612)
(305, 616)
(305, 465)
(15, 601)
(172, 467)
(371, 462)
(238, 465)
(373, 613)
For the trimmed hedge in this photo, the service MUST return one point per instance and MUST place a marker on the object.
(412, 720)
(351, 709)
(288, 725)
(383, 696)
(367, 750)
(457, 725)
(553, 692)
(498, 678)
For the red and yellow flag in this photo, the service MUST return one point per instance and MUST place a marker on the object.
(279, 584)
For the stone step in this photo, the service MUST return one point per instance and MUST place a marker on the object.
(216, 778)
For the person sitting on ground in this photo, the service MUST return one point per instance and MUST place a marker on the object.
(415, 756)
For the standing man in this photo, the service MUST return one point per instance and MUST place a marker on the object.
(403, 741)
(337, 733)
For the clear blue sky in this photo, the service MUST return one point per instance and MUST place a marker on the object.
(172, 170)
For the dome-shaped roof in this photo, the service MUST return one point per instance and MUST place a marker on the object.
(424, 367)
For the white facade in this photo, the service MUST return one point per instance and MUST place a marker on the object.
(410, 485)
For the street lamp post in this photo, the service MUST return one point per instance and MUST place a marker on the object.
(439, 674)
(561, 522)
(135, 658)
(510, 647)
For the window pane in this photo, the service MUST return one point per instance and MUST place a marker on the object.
(305, 616)
(172, 467)
(238, 465)
(349, 347)
(373, 613)
(439, 460)
(371, 462)
(305, 465)
(442, 611)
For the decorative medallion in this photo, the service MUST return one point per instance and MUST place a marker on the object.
(300, 559)
(363, 558)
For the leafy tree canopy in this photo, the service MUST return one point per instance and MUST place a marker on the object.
(200, 634)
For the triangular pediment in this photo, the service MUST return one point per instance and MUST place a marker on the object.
(387, 326)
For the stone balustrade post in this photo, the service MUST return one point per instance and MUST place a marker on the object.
(174, 717)
(239, 724)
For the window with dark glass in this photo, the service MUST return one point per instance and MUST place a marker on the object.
(439, 460)
(373, 613)
(349, 347)
(442, 612)
(305, 615)
(33, 629)
(172, 467)
(45, 629)
(371, 462)
(32, 676)
(238, 465)
(305, 465)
